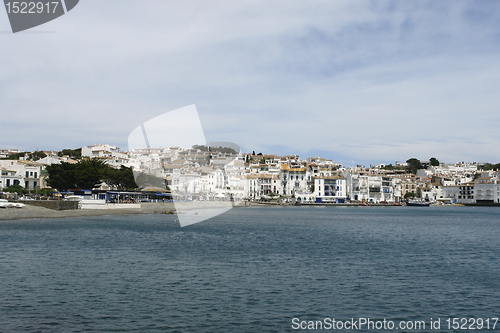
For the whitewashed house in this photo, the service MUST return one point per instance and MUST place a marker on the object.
(330, 189)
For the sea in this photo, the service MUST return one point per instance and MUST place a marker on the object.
(255, 269)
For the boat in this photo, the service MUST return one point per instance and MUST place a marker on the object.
(417, 203)
(6, 204)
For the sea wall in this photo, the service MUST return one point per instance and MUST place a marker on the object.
(51, 204)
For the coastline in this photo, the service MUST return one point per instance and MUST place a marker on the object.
(35, 212)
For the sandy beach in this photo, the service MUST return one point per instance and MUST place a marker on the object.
(33, 212)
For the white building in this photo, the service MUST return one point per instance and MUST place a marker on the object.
(30, 172)
(487, 192)
(330, 189)
(10, 178)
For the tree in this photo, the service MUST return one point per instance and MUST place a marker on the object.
(263, 160)
(410, 195)
(388, 167)
(122, 178)
(413, 165)
(34, 156)
(490, 166)
(144, 180)
(61, 176)
(434, 161)
(15, 189)
(88, 174)
(226, 150)
(37, 155)
(200, 147)
(15, 156)
(72, 153)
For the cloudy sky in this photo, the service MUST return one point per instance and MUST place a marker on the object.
(357, 81)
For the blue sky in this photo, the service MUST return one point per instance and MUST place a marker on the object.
(359, 82)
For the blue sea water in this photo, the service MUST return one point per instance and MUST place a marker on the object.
(250, 269)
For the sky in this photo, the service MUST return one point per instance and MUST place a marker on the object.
(358, 82)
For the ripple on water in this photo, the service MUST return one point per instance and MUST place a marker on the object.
(248, 270)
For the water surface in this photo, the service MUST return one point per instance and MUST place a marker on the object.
(249, 270)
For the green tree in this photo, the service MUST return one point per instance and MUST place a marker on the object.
(410, 195)
(15, 189)
(388, 167)
(413, 165)
(72, 153)
(37, 155)
(434, 161)
(221, 149)
(15, 156)
(490, 166)
(122, 178)
(61, 176)
(88, 174)
(144, 180)
(201, 147)
(44, 191)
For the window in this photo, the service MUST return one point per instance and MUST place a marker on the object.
(27, 174)
(36, 175)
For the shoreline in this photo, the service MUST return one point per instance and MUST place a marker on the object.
(36, 212)
(30, 212)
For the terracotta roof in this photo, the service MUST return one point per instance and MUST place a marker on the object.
(30, 163)
(297, 170)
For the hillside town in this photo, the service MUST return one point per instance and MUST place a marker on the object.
(202, 173)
